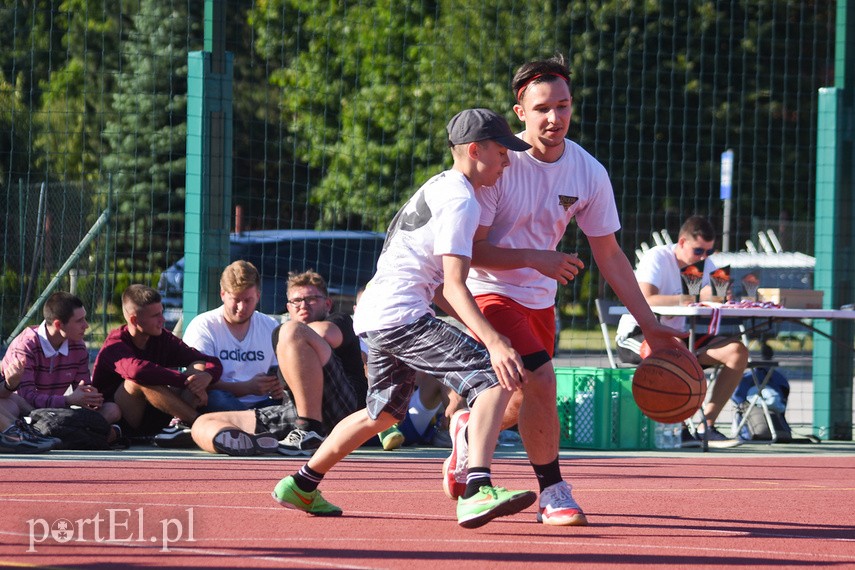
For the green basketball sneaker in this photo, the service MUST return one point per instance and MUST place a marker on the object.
(489, 503)
(391, 438)
(289, 495)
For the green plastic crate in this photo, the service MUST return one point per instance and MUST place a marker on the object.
(596, 410)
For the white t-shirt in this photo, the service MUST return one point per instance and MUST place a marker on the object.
(241, 359)
(659, 267)
(530, 207)
(439, 219)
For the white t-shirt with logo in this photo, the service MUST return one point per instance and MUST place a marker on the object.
(530, 207)
(439, 219)
(241, 359)
(659, 267)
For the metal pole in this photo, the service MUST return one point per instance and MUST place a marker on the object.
(36, 246)
(69, 263)
(22, 222)
(726, 194)
(105, 289)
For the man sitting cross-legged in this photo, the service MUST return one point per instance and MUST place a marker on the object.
(321, 364)
(138, 368)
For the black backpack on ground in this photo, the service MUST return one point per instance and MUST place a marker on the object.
(78, 428)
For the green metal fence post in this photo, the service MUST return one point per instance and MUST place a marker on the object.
(835, 235)
(209, 165)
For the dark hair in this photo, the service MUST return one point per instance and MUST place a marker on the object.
(698, 227)
(138, 296)
(61, 306)
(540, 71)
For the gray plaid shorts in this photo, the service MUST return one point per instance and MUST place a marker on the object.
(340, 400)
(428, 345)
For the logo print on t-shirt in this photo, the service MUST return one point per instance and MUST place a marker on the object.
(238, 355)
(566, 201)
(410, 221)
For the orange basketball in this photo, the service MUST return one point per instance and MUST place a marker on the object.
(669, 386)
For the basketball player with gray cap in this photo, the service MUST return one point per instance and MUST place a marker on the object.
(426, 259)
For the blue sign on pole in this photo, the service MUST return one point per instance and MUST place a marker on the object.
(726, 174)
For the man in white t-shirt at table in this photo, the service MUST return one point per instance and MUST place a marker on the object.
(240, 337)
(659, 277)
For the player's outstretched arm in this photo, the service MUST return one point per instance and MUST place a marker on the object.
(617, 270)
(563, 267)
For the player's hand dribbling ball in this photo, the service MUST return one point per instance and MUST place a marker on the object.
(669, 386)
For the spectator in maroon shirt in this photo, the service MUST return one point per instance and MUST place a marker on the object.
(157, 380)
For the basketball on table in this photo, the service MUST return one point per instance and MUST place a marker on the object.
(669, 386)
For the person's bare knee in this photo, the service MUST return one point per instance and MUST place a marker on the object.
(131, 401)
(541, 384)
(167, 400)
(296, 337)
(512, 410)
(111, 412)
(207, 426)
(132, 389)
(384, 421)
(10, 407)
(742, 357)
(293, 334)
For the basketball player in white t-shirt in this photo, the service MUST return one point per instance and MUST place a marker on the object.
(425, 259)
(516, 266)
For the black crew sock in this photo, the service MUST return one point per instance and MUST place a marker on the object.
(308, 424)
(548, 474)
(475, 479)
(307, 479)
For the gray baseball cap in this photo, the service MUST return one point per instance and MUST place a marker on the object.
(475, 125)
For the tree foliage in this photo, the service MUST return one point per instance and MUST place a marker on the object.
(147, 133)
(369, 88)
(340, 107)
(661, 89)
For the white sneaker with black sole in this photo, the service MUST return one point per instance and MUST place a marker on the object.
(300, 442)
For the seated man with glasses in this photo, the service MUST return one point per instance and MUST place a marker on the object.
(320, 361)
(659, 278)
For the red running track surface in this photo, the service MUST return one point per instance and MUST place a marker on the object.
(697, 511)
